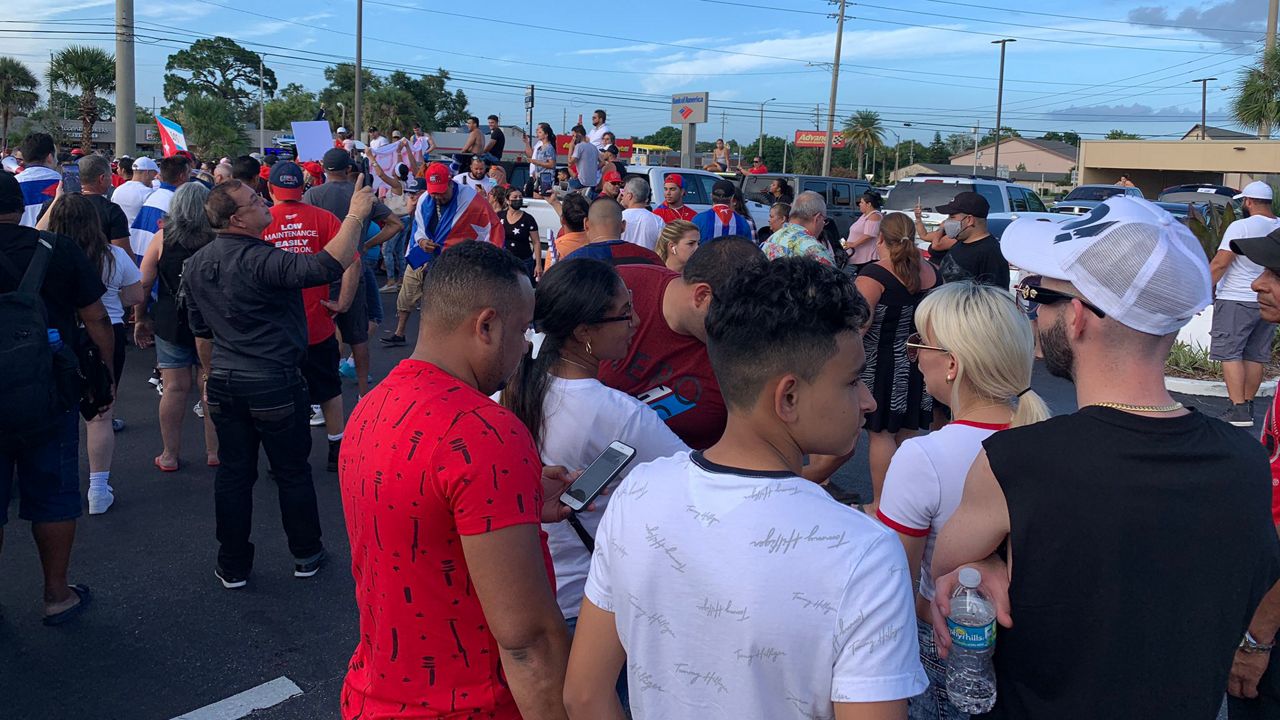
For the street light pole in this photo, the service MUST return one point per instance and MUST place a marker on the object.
(262, 112)
(766, 102)
(1204, 101)
(126, 104)
(897, 149)
(911, 161)
(1273, 7)
(1000, 101)
(831, 108)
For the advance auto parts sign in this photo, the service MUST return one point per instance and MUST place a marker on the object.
(689, 108)
(817, 139)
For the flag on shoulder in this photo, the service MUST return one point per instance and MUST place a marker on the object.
(467, 216)
(39, 184)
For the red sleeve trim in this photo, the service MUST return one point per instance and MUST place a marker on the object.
(899, 527)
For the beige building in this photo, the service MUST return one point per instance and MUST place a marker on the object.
(1025, 155)
(1234, 160)
(1046, 184)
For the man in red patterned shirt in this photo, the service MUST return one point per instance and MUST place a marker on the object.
(443, 491)
(673, 207)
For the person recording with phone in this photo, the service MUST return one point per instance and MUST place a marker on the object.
(584, 311)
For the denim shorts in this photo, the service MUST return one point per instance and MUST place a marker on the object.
(172, 356)
(48, 476)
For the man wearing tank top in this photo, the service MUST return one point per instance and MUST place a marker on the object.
(1128, 544)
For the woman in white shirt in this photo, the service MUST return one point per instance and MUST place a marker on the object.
(583, 309)
(74, 216)
(975, 350)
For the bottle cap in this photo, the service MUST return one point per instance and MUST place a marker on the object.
(970, 577)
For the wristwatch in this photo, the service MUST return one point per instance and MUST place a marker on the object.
(1249, 644)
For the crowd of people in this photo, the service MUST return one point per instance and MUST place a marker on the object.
(724, 576)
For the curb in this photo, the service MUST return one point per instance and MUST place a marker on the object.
(1210, 388)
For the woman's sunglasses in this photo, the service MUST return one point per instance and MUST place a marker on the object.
(1029, 293)
(915, 344)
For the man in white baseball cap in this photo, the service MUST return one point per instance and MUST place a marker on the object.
(131, 194)
(1241, 339)
(1130, 497)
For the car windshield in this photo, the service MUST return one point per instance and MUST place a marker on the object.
(1093, 193)
(757, 189)
(929, 194)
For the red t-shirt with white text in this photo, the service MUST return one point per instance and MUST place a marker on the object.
(426, 460)
(664, 369)
(301, 228)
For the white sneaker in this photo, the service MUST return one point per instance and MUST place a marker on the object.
(317, 417)
(198, 409)
(100, 499)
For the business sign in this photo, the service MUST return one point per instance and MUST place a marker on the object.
(817, 139)
(626, 146)
(689, 108)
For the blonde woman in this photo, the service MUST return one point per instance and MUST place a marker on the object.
(975, 350)
(676, 243)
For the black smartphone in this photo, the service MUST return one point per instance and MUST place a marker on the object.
(602, 471)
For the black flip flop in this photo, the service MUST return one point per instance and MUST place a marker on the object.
(71, 613)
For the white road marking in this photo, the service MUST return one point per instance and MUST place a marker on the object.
(241, 704)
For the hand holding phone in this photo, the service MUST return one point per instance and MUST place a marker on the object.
(602, 471)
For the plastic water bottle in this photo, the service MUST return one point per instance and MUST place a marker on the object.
(971, 679)
(55, 339)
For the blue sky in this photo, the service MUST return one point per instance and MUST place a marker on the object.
(1110, 64)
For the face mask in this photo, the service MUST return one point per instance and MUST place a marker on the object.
(951, 228)
(517, 203)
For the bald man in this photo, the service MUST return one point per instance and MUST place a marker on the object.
(604, 226)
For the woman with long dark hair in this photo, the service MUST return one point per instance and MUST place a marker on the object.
(186, 230)
(76, 217)
(864, 234)
(542, 159)
(893, 286)
(584, 313)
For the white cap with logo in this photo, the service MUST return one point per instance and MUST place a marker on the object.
(1130, 258)
(1256, 190)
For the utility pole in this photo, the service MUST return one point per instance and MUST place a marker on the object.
(1264, 132)
(262, 111)
(1204, 102)
(975, 148)
(999, 101)
(766, 102)
(356, 113)
(817, 116)
(724, 118)
(126, 114)
(835, 79)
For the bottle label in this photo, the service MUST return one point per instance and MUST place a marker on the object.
(969, 637)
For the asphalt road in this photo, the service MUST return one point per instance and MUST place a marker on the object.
(163, 637)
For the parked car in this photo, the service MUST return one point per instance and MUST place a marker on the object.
(1199, 193)
(1086, 197)
(840, 193)
(1008, 200)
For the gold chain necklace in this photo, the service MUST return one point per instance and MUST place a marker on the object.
(1125, 407)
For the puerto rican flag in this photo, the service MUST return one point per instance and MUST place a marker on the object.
(469, 216)
(721, 221)
(39, 184)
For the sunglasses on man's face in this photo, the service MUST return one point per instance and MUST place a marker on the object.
(1030, 293)
(916, 343)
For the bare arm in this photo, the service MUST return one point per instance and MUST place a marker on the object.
(1221, 262)
(510, 578)
(133, 294)
(389, 228)
(143, 329)
(343, 245)
(1247, 668)
(391, 180)
(861, 238)
(204, 351)
(889, 710)
(594, 664)
(978, 526)
(347, 290)
(871, 291)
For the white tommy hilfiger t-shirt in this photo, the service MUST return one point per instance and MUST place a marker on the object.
(742, 594)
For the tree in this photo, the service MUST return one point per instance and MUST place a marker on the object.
(221, 68)
(669, 136)
(68, 105)
(938, 152)
(91, 71)
(43, 119)
(864, 130)
(210, 125)
(435, 107)
(1070, 138)
(342, 90)
(958, 143)
(17, 92)
(1256, 105)
(1121, 135)
(389, 108)
(143, 115)
(1005, 134)
(293, 104)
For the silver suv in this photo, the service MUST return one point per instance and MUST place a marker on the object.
(933, 191)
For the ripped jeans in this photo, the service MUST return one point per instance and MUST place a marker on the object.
(268, 409)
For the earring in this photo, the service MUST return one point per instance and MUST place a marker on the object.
(589, 348)
(951, 378)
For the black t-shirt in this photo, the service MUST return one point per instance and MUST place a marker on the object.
(1141, 547)
(521, 235)
(115, 224)
(499, 142)
(69, 284)
(980, 261)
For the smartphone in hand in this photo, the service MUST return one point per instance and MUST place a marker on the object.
(602, 471)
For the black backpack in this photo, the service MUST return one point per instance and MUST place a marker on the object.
(33, 401)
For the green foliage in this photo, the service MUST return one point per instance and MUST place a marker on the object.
(220, 68)
(433, 106)
(68, 105)
(1191, 362)
(210, 125)
(939, 151)
(1005, 134)
(396, 102)
(669, 136)
(43, 119)
(92, 72)
(18, 87)
(293, 104)
(1210, 230)
(1257, 101)
(1067, 137)
(957, 143)
(142, 115)
(864, 131)
(1121, 135)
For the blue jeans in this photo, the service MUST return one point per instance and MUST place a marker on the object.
(372, 298)
(393, 252)
(933, 703)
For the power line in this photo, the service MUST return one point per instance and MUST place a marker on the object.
(1088, 19)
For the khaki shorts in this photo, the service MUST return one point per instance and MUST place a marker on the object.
(411, 289)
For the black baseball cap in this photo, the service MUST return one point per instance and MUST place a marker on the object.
(1264, 251)
(967, 203)
(723, 188)
(336, 159)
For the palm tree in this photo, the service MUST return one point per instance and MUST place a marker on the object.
(17, 92)
(90, 70)
(864, 130)
(1257, 102)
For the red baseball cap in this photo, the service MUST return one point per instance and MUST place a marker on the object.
(612, 177)
(77, 152)
(437, 178)
(673, 179)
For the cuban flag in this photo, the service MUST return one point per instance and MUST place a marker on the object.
(720, 221)
(147, 223)
(172, 138)
(39, 184)
(469, 216)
